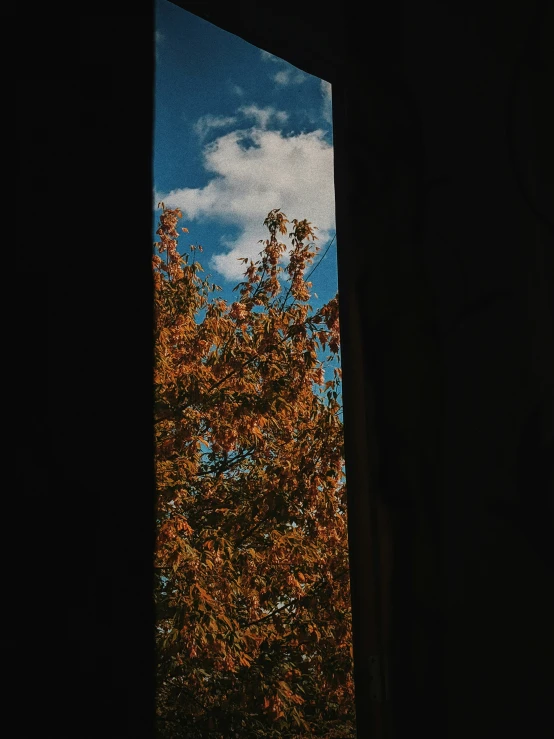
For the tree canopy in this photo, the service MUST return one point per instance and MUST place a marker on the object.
(253, 618)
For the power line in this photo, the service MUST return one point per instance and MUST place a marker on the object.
(322, 257)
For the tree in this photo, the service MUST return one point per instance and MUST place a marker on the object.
(252, 578)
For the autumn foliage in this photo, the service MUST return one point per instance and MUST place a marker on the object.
(252, 579)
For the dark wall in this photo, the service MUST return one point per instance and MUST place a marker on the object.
(446, 264)
(79, 493)
(444, 188)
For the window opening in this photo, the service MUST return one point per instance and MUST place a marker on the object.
(252, 575)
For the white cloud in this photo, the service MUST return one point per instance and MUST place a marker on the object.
(283, 77)
(237, 90)
(256, 170)
(327, 111)
(267, 57)
(209, 121)
(263, 115)
(289, 77)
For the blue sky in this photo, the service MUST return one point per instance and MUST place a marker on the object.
(238, 132)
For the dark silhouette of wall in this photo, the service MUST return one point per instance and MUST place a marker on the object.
(444, 199)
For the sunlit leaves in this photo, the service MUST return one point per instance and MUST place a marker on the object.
(252, 586)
